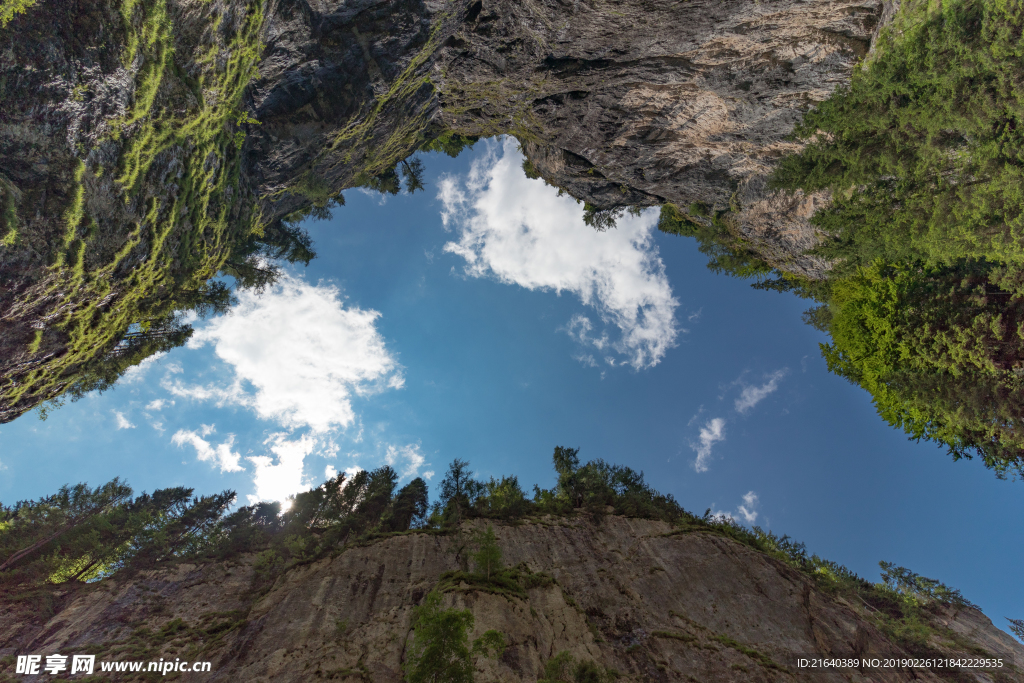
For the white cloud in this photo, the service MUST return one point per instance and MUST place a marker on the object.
(226, 459)
(298, 355)
(428, 475)
(158, 404)
(586, 359)
(520, 231)
(330, 472)
(747, 510)
(283, 478)
(719, 516)
(710, 434)
(407, 460)
(753, 395)
(122, 421)
(137, 372)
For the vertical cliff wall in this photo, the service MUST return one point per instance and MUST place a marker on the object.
(629, 595)
(144, 146)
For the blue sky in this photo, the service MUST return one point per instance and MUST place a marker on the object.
(483, 320)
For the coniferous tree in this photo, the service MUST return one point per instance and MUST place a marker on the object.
(32, 526)
(458, 493)
(410, 506)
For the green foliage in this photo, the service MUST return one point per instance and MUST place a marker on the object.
(9, 8)
(919, 589)
(490, 644)
(81, 534)
(8, 213)
(530, 170)
(183, 240)
(488, 555)
(391, 180)
(924, 158)
(940, 348)
(253, 260)
(591, 488)
(507, 583)
(85, 534)
(601, 219)
(440, 651)
(560, 667)
(1017, 626)
(459, 491)
(323, 520)
(597, 485)
(716, 237)
(502, 499)
(449, 143)
(409, 509)
(923, 151)
(563, 668)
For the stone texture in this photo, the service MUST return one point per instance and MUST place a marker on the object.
(621, 585)
(624, 102)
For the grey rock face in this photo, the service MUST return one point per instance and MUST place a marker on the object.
(619, 103)
(629, 595)
(624, 103)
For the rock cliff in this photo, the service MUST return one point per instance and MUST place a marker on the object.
(627, 594)
(143, 145)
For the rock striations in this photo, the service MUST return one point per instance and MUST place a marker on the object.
(627, 594)
(141, 142)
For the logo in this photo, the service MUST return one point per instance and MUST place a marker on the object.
(55, 664)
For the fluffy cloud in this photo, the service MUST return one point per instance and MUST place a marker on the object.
(221, 454)
(122, 421)
(521, 232)
(137, 373)
(279, 477)
(752, 395)
(407, 460)
(158, 404)
(710, 434)
(298, 355)
(746, 511)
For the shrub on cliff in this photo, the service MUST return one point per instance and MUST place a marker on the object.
(564, 668)
(440, 651)
(9, 8)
